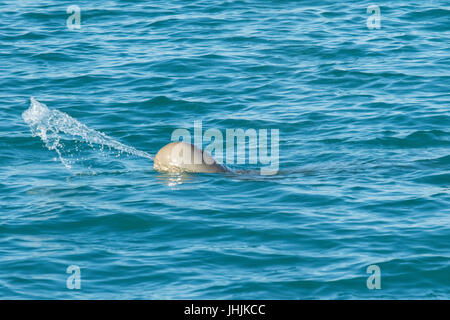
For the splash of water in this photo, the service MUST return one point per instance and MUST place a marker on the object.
(53, 125)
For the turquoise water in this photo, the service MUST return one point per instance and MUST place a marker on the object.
(363, 118)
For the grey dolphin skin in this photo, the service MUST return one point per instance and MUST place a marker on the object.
(178, 157)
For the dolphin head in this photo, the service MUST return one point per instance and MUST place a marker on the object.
(185, 157)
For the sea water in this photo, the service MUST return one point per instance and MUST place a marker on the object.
(360, 205)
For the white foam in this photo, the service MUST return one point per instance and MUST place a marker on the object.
(51, 125)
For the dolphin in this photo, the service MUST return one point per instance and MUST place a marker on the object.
(178, 157)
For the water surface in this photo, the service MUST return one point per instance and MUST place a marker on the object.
(364, 150)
